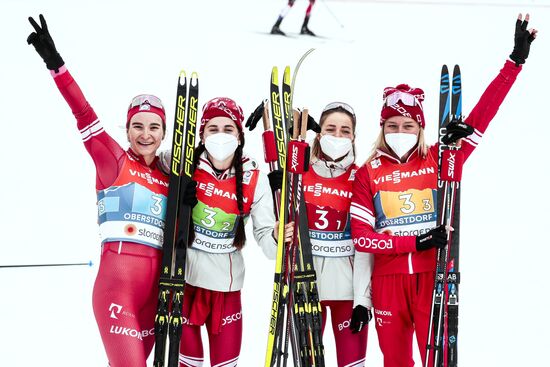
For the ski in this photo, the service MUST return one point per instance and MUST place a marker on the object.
(304, 295)
(445, 292)
(453, 277)
(295, 302)
(280, 289)
(168, 319)
(307, 307)
(290, 336)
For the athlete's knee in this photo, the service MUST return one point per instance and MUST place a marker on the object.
(188, 361)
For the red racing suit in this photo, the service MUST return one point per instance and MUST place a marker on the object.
(394, 202)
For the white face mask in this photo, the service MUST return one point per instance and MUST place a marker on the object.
(335, 147)
(401, 143)
(221, 145)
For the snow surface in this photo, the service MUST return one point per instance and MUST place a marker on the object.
(117, 49)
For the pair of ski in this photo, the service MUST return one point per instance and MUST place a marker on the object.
(169, 319)
(443, 328)
(296, 309)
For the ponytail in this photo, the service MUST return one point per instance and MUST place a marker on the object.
(240, 235)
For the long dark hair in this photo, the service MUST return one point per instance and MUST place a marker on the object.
(240, 235)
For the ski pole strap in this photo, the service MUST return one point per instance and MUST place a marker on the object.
(297, 160)
(451, 165)
(270, 148)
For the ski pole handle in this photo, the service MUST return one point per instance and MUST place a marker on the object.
(303, 125)
(298, 149)
(265, 117)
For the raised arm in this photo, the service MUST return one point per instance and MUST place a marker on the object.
(106, 153)
(489, 103)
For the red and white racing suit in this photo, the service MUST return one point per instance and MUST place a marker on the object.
(394, 202)
(215, 268)
(343, 275)
(131, 212)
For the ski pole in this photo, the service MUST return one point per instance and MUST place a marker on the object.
(333, 15)
(89, 263)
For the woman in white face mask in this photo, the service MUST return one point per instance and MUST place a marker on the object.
(393, 211)
(327, 191)
(230, 189)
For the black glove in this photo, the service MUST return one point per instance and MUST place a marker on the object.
(456, 130)
(436, 237)
(360, 318)
(275, 180)
(255, 116)
(311, 125)
(43, 43)
(522, 41)
(189, 195)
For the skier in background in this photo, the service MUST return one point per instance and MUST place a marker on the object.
(305, 30)
(131, 195)
(399, 180)
(230, 189)
(343, 275)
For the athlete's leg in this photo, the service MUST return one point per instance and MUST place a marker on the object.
(148, 312)
(392, 319)
(350, 348)
(282, 15)
(225, 346)
(309, 8)
(121, 290)
(191, 351)
(305, 29)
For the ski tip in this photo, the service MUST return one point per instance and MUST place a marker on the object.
(194, 79)
(275, 75)
(183, 74)
(286, 76)
(456, 68)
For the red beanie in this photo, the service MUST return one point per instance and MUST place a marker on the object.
(403, 101)
(222, 107)
(146, 103)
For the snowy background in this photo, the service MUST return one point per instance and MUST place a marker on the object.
(117, 49)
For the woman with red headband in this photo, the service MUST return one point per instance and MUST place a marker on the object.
(343, 275)
(131, 199)
(230, 190)
(399, 179)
